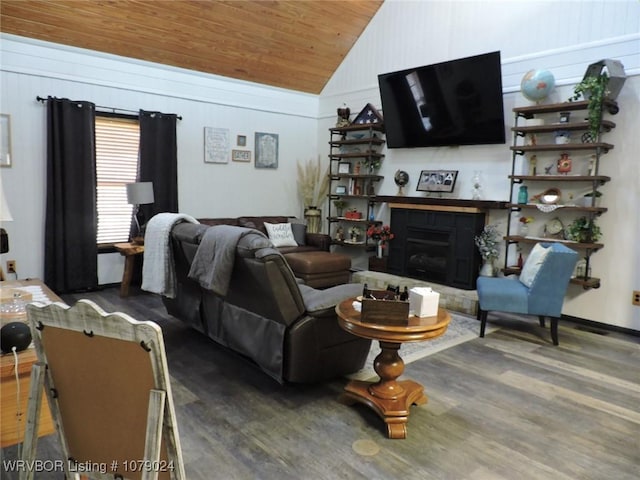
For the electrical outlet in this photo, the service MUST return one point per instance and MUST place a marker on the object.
(636, 298)
(11, 266)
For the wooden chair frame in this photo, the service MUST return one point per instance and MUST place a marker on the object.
(108, 387)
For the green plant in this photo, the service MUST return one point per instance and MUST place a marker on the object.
(339, 204)
(594, 89)
(487, 243)
(583, 230)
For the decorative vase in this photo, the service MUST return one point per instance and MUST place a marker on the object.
(524, 229)
(380, 249)
(476, 186)
(487, 269)
(313, 217)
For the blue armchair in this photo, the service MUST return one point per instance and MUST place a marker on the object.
(539, 290)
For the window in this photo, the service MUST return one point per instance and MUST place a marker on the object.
(117, 141)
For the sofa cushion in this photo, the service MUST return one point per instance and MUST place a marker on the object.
(258, 222)
(219, 221)
(318, 262)
(280, 234)
(299, 233)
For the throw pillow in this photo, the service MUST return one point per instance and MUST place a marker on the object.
(280, 234)
(532, 265)
(299, 232)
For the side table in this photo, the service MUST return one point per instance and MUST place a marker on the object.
(129, 251)
(12, 417)
(388, 397)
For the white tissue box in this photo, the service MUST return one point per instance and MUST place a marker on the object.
(423, 302)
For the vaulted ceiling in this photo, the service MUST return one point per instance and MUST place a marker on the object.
(293, 44)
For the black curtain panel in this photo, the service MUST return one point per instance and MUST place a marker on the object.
(71, 224)
(159, 161)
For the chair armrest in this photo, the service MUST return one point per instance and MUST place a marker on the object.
(319, 240)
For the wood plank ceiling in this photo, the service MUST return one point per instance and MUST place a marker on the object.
(293, 44)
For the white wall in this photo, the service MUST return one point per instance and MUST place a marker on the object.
(562, 36)
(30, 69)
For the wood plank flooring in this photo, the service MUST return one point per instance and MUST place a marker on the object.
(509, 406)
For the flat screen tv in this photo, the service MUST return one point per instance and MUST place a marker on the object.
(458, 102)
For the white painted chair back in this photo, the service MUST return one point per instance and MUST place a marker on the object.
(107, 383)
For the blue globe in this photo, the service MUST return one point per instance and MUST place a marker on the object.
(536, 85)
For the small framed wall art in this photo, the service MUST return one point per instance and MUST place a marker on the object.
(216, 145)
(241, 155)
(5, 140)
(437, 181)
(241, 140)
(266, 147)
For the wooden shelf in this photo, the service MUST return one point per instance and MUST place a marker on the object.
(586, 283)
(563, 208)
(532, 240)
(356, 176)
(358, 141)
(554, 127)
(529, 111)
(564, 178)
(367, 154)
(553, 147)
(355, 220)
(376, 127)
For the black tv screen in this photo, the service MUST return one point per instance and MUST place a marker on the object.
(458, 102)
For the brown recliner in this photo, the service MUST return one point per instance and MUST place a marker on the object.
(288, 329)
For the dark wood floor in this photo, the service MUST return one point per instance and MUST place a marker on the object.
(504, 407)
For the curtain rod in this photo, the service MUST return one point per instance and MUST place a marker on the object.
(113, 109)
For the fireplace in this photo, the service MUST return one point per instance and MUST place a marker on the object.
(436, 246)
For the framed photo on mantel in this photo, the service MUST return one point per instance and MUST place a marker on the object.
(437, 181)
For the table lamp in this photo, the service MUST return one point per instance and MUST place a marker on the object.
(5, 216)
(139, 193)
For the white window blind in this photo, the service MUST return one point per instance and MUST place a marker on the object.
(117, 141)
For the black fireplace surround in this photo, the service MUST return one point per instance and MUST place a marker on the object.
(436, 246)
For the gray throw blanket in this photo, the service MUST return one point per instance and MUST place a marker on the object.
(213, 262)
(158, 269)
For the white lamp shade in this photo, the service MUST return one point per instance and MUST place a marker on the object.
(5, 213)
(140, 193)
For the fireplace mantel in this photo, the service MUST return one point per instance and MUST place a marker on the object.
(457, 203)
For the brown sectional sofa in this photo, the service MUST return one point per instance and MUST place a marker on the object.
(290, 330)
(310, 261)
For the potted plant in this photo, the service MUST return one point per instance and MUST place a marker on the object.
(487, 243)
(594, 89)
(589, 199)
(584, 230)
(339, 204)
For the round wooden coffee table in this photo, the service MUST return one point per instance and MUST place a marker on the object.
(388, 397)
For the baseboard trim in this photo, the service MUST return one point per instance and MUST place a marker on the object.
(601, 326)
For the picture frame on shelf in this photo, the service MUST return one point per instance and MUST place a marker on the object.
(341, 190)
(5, 140)
(442, 181)
(344, 167)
